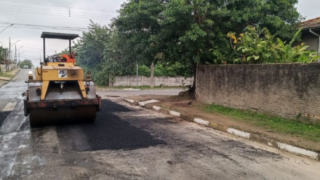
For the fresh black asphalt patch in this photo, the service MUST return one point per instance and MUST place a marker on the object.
(109, 132)
(3, 116)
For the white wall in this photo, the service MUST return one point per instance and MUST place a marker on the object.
(145, 81)
(11, 67)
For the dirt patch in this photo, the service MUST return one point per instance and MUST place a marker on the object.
(191, 109)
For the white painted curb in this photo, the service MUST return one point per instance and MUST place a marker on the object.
(298, 150)
(239, 133)
(174, 113)
(156, 108)
(131, 89)
(143, 103)
(201, 121)
(130, 100)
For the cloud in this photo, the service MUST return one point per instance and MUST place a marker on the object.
(309, 8)
(17, 11)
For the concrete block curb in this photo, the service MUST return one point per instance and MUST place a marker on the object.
(250, 136)
(131, 89)
(239, 133)
(298, 151)
(201, 121)
(129, 100)
(175, 113)
(157, 108)
(144, 103)
(5, 78)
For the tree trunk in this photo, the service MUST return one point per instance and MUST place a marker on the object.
(110, 80)
(152, 75)
(192, 90)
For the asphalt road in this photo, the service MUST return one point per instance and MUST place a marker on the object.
(128, 142)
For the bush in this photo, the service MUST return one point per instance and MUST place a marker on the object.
(259, 46)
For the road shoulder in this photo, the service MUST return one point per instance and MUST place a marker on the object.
(5, 80)
(185, 109)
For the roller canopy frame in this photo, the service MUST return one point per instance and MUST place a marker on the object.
(53, 35)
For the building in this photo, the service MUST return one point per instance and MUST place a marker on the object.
(311, 33)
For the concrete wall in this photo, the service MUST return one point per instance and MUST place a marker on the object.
(11, 67)
(286, 90)
(145, 81)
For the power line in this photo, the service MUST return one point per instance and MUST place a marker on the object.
(45, 26)
(37, 48)
(14, 1)
(34, 26)
(63, 12)
(61, 15)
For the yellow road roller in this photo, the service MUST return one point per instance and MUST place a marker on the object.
(58, 92)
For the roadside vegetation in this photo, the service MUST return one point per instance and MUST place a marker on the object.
(270, 123)
(25, 63)
(173, 37)
(6, 74)
(257, 45)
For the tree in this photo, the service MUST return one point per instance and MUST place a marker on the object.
(26, 62)
(90, 48)
(137, 24)
(194, 31)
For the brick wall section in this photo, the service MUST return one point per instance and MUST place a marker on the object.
(145, 81)
(285, 90)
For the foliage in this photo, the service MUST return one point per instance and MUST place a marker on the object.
(90, 48)
(162, 69)
(177, 35)
(259, 46)
(192, 32)
(26, 62)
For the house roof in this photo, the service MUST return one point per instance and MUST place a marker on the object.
(311, 23)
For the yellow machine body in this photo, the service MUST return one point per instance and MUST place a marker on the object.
(58, 92)
(53, 71)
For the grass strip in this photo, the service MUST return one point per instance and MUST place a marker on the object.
(6, 75)
(271, 123)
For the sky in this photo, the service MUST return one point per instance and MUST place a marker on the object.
(25, 13)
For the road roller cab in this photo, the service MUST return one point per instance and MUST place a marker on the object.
(58, 92)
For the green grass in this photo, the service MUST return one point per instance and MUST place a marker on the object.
(6, 75)
(271, 123)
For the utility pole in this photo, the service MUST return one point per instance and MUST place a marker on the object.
(15, 53)
(9, 56)
(4, 53)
